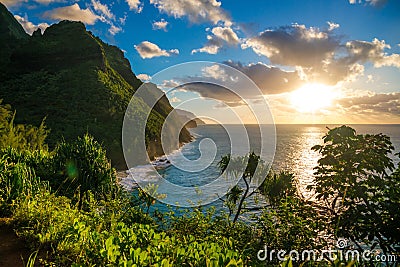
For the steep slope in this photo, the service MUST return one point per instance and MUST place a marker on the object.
(80, 84)
(190, 118)
(11, 35)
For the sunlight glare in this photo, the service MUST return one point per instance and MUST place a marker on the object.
(312, 97)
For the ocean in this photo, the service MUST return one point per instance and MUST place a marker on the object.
(195, 165)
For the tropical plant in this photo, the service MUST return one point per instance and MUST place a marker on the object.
(83, 166)
(353, 180)
(254, 169)
(20, 136)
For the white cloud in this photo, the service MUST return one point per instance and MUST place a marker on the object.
(293, 45)
(168, 84)
(332, 26)
(226, 34)
(73, 12)
(113, 30)
(143, 77)
(208, 48)
(103, 9)
(215, 72)
(219, 37)
(147, 49)
(320, 56)
(122, 20)
(196, 11)
(160, 25)
(376, 3)
(10, 3)
(135, 5)
(28, 26)
(175, 100)
(374, 52)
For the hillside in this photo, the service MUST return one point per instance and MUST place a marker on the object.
(190, 118)
(76, 81)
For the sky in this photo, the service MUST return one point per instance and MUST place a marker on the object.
(328, 61)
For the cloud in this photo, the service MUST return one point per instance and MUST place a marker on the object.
(168, 84)
(372, 103)
(73, 12)
(376, 3)
(270, 80)
(196, 11)
(28, 26)
(363, 52)
(143, 77)
(135, 5)
(215, 72)
(175, 100)
(160, 25)
(318, 55)
(147, 49)
(332, 26)
(10, 3)
(219, 37)
(293, 45)
(113, 30)
(214, 91)
(105, 15)
(103, 9)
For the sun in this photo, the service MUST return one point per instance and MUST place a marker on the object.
(312, 97)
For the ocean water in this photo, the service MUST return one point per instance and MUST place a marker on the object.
(293, 153)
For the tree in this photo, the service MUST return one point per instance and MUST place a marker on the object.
(255, 169)
(353, 181)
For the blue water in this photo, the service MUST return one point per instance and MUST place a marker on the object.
(293, 153)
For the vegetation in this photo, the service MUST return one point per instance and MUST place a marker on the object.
(355, 180)
(62, 196)
(76, 81)
(66, 203)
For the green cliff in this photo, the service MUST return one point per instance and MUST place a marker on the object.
(76, 81)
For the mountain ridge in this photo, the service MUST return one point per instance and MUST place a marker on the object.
(78, 83)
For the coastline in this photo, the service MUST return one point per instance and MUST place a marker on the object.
(125, 179)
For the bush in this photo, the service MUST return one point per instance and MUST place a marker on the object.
(20, 136)
(18, 175)
(81, 166)
(96, 238)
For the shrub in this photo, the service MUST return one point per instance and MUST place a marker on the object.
(81, 166)
(18, 175)
(20, 136)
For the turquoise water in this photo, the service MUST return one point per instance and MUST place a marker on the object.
(293, 153)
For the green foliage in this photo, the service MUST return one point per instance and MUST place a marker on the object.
(278, 186)
(149, 194)
(20, 174)
(82, 239)
(255, 169)
(292, 224)
(20, 136)
(84, 166)
(352, 179)
(80, 84)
